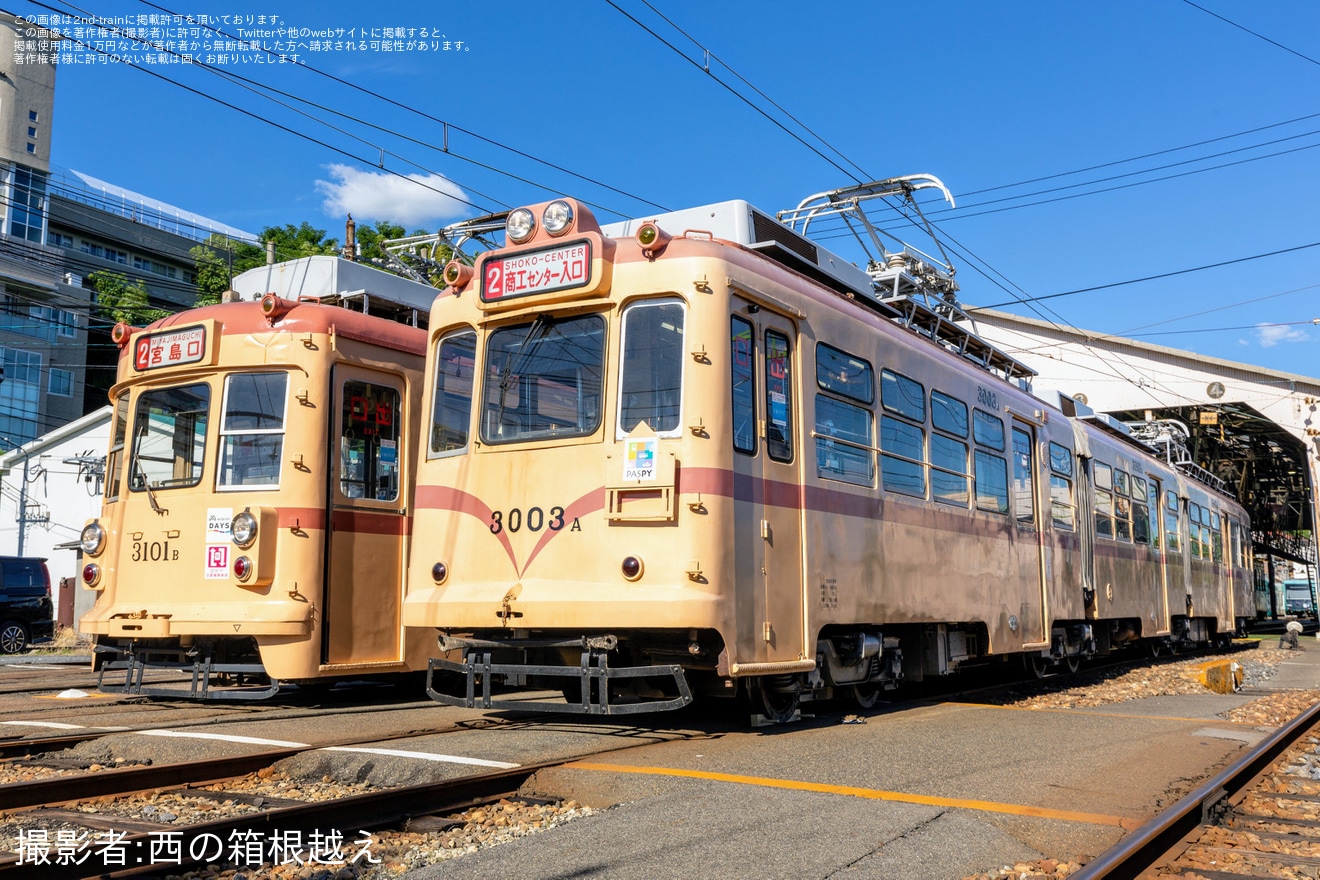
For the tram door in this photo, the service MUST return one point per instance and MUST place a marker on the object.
(1029, 549)
(769, 524)
(367, 520)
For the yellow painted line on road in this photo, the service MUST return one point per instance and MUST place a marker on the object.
(869, 793)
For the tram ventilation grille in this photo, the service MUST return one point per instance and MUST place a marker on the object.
(766, 229)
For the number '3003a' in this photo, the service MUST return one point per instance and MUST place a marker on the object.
(533, 520)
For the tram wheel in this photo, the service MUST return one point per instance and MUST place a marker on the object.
(776, 698)
(1038, 665)
(1154, 648)
(1074, 662)
(865, 695)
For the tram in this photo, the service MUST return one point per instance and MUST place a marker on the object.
(700, 454)
(259, 492)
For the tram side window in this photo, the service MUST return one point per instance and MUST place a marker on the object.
(1171, 530)
(1104, 500)
(1153, 509)
(1194, 521)
(451, 414)
(543, 379)
(1235, 535)
(1140, 511)
(169, 437)
(1203, 516)
(369, 441)
(1024, 488)
(1122, 507)
(252, 431)
(651, 383)
(1216, 538)
(991, 470)
(903, 460)
(844, 430)
(115, 458)
(743, 382)
(1062, 507)
(778, 397)
(949, 480)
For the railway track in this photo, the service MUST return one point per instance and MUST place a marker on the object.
(148, 851)
(1260, 817)
(149, 848)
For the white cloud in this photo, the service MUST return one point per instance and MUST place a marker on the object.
(1272, 334)
(424, 200)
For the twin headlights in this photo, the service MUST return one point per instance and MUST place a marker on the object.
(557, 218)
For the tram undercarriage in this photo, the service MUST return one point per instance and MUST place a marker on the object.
(217, 668)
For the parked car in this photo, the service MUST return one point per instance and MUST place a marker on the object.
(26, 611)
(1297, 598)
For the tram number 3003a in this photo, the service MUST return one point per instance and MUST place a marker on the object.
(154, 551)
(534, 520)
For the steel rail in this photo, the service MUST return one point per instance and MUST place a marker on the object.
(1146, 846)
(19, 747)
(354, 813)
(131, 780)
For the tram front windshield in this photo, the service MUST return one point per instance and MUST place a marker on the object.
(169, 437)
(543, 379)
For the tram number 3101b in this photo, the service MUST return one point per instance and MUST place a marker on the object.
(154, 551)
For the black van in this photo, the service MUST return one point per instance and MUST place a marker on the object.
(26, 612)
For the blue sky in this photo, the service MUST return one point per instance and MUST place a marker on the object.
(980, 94)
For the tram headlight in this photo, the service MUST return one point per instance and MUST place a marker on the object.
(557, 218)
(93, 539)
(519, 225)
(91, 574)
(242, 568)
(439, 572)
(243, 529)
(633, 567)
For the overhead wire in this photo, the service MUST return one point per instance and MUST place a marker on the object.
(245, 112)
(734, 91)
(1248, 30)
(444, 123)
(1025, 301)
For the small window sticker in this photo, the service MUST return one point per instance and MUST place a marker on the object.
(778, 409)
(219, 521)
(639, 459)
(217, 561)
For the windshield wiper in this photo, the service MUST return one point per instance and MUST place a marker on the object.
(541, 325)
(146, 484)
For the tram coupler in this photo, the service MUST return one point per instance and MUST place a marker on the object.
(592, 676)
(134, 667)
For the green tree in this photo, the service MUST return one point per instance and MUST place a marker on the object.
(120, 300)
(218, 260)
(370, 237)
(426, 259)
(220, 257)
(293, 242)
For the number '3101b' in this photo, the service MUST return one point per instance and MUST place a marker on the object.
(154, 551)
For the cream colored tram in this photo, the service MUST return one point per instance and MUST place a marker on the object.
(698, 454)
(258, 500)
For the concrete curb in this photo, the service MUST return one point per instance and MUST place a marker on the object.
(46, 659)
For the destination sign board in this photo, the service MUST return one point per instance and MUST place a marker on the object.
(151, 351)
(540, 271)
